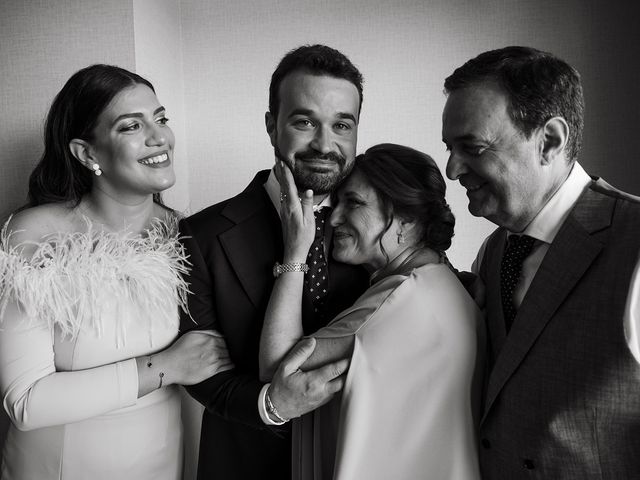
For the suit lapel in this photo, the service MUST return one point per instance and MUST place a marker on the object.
(572, 252)
(255, 241)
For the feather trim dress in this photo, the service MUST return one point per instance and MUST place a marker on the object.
(73, 318)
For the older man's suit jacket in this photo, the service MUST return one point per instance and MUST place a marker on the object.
(233, 246)
(563, 393)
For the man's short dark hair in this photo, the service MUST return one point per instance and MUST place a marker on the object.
(539, 86)
(316, 60)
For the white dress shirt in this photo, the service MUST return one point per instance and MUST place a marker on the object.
(544, 228)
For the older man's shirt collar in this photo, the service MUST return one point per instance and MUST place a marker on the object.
(547, 223)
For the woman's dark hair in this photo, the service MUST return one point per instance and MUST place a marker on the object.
(410, 186)
(74, 113)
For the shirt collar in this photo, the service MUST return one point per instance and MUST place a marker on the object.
(546, 224)
(273, 190)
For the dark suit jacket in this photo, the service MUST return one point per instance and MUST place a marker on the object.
(563, 395)
(233, 246)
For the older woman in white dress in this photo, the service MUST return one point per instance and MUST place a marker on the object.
(413, 338)
(91, 284)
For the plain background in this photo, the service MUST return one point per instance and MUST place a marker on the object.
(211, 63)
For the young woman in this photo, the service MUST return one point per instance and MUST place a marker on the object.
(90, 278)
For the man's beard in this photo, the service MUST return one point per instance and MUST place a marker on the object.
(320, 183)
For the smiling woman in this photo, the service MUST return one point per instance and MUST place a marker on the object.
(132, 144)
(91, 285)
(414, 338)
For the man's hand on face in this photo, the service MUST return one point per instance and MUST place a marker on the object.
(295, 392)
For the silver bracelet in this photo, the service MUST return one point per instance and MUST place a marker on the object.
(160, 375)
(271, 409)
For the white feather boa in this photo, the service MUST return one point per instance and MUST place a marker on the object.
(71, 276)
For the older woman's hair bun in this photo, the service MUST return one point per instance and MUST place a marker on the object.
(410, 187)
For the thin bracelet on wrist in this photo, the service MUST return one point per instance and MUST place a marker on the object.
(160, 375)
(272, 410)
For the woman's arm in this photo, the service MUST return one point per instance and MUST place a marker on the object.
(191, 359)
(282, 326)
(35, 395)
(329, 350)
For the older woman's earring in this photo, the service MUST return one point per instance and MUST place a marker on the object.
(96, 169)
(401, 238)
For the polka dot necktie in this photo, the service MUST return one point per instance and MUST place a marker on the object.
(317, 278)
(518, 248)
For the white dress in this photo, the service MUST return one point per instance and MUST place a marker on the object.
(406, 410)
(89, 303)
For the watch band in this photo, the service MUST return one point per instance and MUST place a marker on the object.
(279, 269)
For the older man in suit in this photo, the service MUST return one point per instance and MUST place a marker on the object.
(312, 122)
(561, 273)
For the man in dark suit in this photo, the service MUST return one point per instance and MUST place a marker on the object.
(314, 106)
(561, 273)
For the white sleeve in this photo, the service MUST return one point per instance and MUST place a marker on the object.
(262, 407)
(632, 314)
(35, 395)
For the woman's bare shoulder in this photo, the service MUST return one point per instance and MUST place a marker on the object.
(36, 223)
